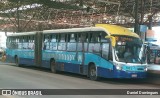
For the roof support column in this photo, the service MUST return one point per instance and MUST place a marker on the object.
(18, 23)
(142, 11)
(150, 22)
(136, 26)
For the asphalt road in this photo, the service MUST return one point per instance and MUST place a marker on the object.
(12, 77)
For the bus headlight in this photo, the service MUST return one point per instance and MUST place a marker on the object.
(118, 67)
(146, 69)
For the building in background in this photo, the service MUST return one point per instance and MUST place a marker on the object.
(156, 35)
(152, 37)
(2, 40)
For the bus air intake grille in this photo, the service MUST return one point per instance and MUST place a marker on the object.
(140, 69)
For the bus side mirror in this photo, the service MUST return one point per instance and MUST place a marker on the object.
(113, 40)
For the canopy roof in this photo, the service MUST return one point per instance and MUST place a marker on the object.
(29, 15)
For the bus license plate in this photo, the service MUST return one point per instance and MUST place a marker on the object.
(134, 75)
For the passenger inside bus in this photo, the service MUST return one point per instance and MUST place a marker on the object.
(127, 53)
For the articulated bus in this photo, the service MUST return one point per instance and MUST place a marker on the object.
(105, 50)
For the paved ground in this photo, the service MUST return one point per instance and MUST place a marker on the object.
(12, 77)
(154, 68)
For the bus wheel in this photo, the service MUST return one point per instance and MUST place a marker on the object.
(17, 61)
(93, 72)
(53, 66)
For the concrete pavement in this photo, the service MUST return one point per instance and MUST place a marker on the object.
(12, 77)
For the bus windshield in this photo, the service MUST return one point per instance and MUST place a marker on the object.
(129, 50)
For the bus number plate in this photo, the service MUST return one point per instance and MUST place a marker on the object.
(134, 75)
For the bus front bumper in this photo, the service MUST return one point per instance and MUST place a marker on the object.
(129, 74)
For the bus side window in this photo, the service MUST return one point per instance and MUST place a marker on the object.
(53, 44)
(25, 42)
(54, 38)
(20, 42)
(13, 42)
(46, 42)
(82, 37)
(105, 50)
(79, 41)
(28, 38)
(102, 37)
(50, 42)
(43, 44)
(71, 46)
(31, 42)
(10, 40)
(73, 37)
(94, 45)
(91, 44)
(62, 42)
(16, 42)
(86, 40)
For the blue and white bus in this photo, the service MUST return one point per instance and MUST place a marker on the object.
(99, 51)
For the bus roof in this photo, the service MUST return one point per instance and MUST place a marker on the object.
(117, 30)
(74, 30)
(22, 34)
(109, 29)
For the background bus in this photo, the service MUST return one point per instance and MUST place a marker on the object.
(93, 51)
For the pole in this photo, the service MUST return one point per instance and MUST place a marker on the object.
(18, 24)
(142, 11)
(150, 22)
(136, 26)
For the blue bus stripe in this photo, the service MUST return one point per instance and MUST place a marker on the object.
(67, 61)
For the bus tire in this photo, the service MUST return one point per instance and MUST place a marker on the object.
(53, 66)
(93, 72)
(17, 61)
